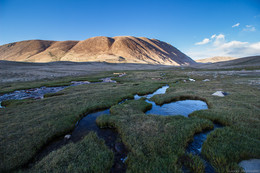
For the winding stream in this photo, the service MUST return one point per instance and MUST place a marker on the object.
(184, 107)
(111, 137)
(195, 147)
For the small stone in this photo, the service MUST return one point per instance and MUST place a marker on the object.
(206, 80)
(218, 93)
(67, 137)
(252, 165)
(192, 80)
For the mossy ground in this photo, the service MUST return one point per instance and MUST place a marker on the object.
(155, 143)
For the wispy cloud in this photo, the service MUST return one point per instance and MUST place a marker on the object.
(219, 46)
(204, 41)
(249, 28)
(236, 25)
(213, 36)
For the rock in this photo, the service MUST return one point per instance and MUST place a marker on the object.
(218, 93)
(192, 80)
(206, 80)
(252, 165)
(67, 137)
(122, 74)
(108, 80)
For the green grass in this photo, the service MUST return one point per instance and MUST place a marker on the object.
(239, 111)
(7, 103)
(192, 162)
(23, 127)
(64, 81)
(155, 143)
(226, 147)
(88, 155)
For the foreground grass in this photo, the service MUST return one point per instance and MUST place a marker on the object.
(239, 110)
(27, 126)
(88, 155)
(155, 142)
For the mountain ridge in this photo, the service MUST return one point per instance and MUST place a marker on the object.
(215, 59)
(119, 49)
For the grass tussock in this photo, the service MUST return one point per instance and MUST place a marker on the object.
(88, 155)
(239, 111)
(192, 162)
(155, 142)
(225, 148)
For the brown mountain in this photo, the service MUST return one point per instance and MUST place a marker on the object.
(215, 59)
(122, 49)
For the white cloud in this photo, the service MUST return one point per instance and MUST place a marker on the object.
(204, 41)
(219, 46)
(219, 39)
(236, 25)
(213, 36)
(249, 28)
(233, 44)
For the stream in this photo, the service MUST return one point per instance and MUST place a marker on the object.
(38, 93)
(183, 107)
(110, 136)
(195, 146)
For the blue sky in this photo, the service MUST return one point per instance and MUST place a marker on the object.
(199, 28)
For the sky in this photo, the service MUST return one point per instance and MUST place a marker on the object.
(199, 28)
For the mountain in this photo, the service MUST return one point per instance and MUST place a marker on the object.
(215, 59)
(245, 62)
(121, 49)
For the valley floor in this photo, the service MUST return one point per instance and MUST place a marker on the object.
(155, 143)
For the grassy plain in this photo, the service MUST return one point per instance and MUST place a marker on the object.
(155, 143)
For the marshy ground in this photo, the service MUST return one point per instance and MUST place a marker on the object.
(155, 143)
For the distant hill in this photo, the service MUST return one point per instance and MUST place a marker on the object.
(252, 61)
(121, 49)
(215, 59)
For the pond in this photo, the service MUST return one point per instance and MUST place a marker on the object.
(184, 107)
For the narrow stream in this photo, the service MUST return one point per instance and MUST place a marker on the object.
(195, 146)
(112, 139)
(87, 124)
(38, 93)
(184, 107)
